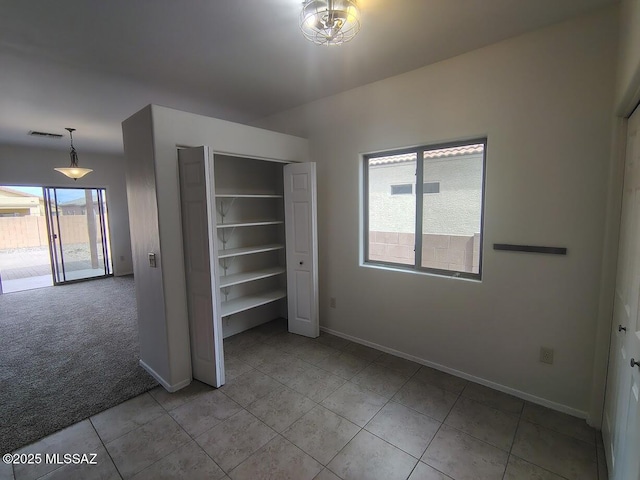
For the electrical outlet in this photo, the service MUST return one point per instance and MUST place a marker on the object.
(546, 355)
(332, 302)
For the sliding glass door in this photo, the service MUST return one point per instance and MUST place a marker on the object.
(78, 229)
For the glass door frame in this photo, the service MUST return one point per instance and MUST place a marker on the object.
(56, 251)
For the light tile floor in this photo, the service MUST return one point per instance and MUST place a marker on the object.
(296, 408)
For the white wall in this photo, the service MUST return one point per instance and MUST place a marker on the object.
(35, 166)
(151, 140)
(544, 100)
(628, 82)
(143, 215)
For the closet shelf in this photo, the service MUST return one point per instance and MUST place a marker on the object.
(238, 278)
(241, 304)
(249, 224)
(249, 195)
(236, 252)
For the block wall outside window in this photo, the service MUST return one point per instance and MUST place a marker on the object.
(448, 252)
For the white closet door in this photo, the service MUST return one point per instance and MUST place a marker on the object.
(302, 248)
(621, 428)
(198, 227)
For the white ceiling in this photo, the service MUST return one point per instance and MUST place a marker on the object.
(89, 64)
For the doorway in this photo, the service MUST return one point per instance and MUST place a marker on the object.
(78, 233)
(51, 236)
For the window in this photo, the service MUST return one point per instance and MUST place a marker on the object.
(437, 230)
(431, 187)
(403, 189)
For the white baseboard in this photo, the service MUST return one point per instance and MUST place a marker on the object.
(167, 386)
(123, 273)
(487, 383)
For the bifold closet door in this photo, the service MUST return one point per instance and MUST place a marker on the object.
(200, 259)
(302, 248)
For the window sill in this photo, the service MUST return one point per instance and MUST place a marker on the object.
(445, 275)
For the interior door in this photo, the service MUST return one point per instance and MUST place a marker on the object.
(200, 257)
(622, 409)
(302, 248)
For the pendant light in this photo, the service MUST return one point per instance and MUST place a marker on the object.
(73, 171)
(330, 22)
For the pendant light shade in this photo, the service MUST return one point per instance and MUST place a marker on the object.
(330, 22)
(73, 171)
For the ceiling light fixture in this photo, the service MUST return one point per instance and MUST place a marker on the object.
(329, 22)
(73, 171)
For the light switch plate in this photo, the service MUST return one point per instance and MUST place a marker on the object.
(152, 260)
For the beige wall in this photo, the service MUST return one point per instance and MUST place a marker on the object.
(544, 101)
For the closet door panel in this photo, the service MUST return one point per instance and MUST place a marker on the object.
(205, 330)
(303, 296)
(302, 250)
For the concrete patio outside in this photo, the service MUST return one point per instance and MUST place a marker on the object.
(28, 268)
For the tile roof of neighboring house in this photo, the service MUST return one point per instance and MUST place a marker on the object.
(439, 153)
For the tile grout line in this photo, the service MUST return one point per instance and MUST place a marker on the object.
(440, 427)
(553, 429)
(319, 404)
(259, 448)
(207, 453)
(134, 428)
(60, 466)
(513, 441)
(434, 435)
(520, 420)
(363, 428)
(480, 439)
(538, 466)
(387, 401)
(192, 439)
(104, 445)
(566, 435)
(172, 450)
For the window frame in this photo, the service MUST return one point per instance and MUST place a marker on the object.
(419, 198)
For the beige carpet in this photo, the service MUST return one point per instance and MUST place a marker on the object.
(66, 353)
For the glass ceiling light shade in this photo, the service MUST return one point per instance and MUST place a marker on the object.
(73, 171)
(330, 22)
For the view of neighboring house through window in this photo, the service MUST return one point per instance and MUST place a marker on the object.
(426, 215)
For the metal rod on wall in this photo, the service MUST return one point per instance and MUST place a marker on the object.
(530, 249)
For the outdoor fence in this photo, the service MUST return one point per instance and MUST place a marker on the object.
(450, 252)
(31, 231)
